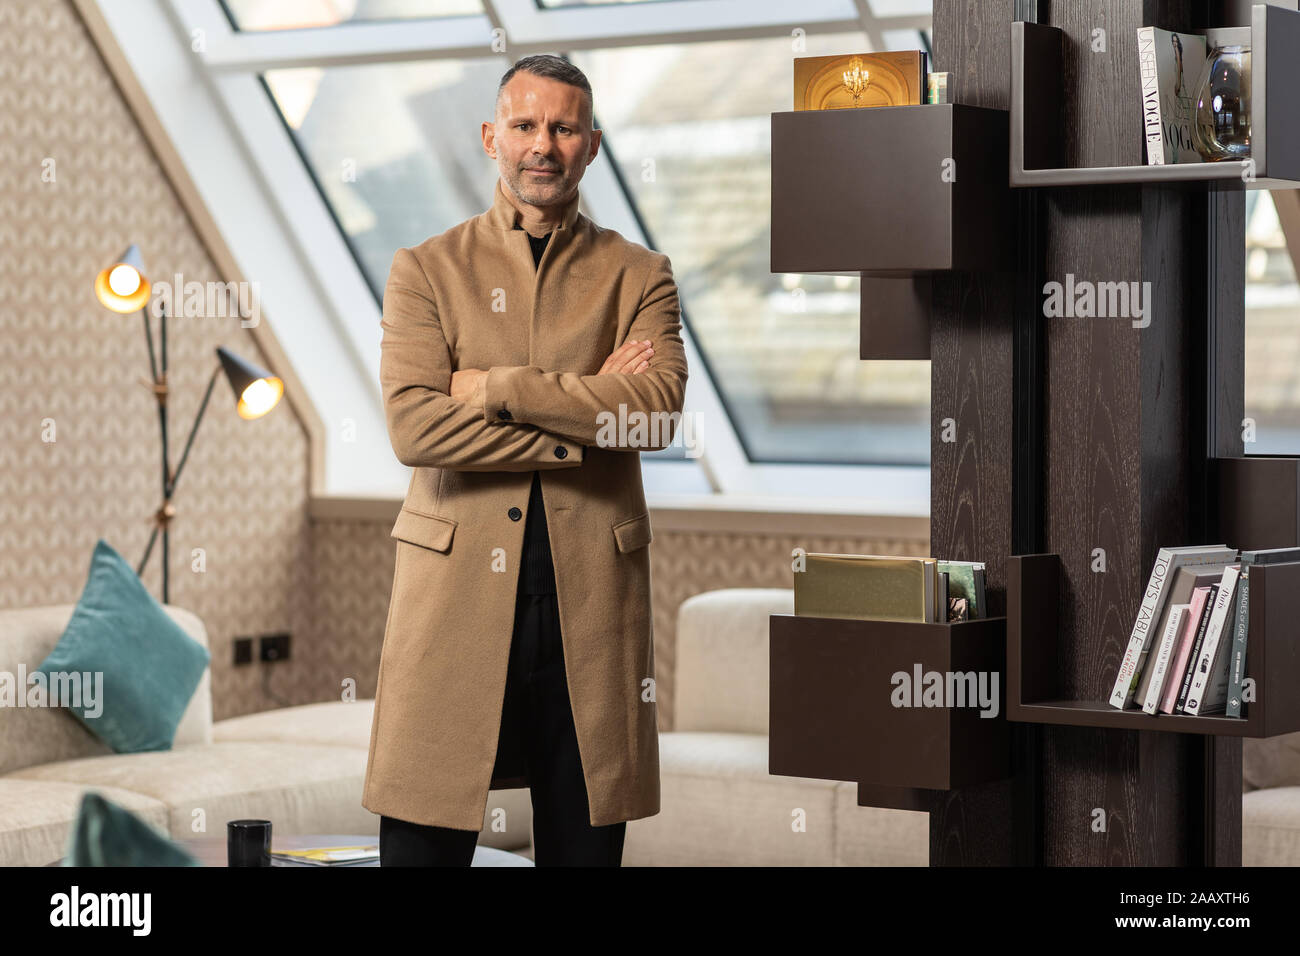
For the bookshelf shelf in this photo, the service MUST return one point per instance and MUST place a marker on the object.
(832, 717)
(1038, 59)
(892, 194)
(1098, 713)
(1034, 596)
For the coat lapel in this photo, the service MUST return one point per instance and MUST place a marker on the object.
(559, 278)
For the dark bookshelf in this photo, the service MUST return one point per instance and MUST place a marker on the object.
(864, 192)
(831, 714)
(1071, 435)
(1039, 58)
(1035, 595)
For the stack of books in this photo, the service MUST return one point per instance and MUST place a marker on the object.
(1187, 650)
(887, 588)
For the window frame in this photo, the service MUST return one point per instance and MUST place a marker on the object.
(286, 227)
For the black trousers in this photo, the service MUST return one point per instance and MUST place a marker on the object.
(537, 737)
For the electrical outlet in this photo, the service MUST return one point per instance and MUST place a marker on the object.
(275, 647)
(243, 650)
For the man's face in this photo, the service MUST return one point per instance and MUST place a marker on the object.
(542, 139)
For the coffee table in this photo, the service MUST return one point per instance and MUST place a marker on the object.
(211, 851)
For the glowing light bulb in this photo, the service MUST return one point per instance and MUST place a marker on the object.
(260, 397)
(124, 280)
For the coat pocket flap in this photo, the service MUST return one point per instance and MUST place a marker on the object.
(633, 533)
(428, 531)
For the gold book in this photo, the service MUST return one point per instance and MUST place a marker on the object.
(856, 80)
(867, 587)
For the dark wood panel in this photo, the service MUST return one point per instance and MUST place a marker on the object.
(1126, 448)
(842, 204)
(894, 318)
(971, 348)
(1224, 830)
(1256, 502)
(1093, 425)
(1094, 453)
(833, 710)
(971, 375)
(1225, 271)
(895, 798)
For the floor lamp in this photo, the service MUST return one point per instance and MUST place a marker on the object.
(124, 288)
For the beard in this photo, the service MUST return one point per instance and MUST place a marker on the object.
(537, 191)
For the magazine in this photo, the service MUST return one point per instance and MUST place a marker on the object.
(1170, 65)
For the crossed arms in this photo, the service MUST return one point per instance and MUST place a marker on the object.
(550, 410)
(576, 407)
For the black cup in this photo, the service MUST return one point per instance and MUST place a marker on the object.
(248, 843)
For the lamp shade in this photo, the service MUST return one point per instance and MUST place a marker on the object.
(256, 390)
(123, 286)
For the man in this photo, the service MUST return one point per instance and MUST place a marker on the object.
(519, 348)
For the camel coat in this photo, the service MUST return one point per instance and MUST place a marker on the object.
(472, 298)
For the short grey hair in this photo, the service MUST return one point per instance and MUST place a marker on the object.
(555, 68)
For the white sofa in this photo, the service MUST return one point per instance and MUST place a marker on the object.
(1270, 801)
(721, 806)
(302, 768)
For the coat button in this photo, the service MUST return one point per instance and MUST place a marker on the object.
(561, 451)
(515, 514)
(504, 415)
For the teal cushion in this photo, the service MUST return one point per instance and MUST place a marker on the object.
(106, 834)
(148, 666)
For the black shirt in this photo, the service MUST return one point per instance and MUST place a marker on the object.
(537, 571)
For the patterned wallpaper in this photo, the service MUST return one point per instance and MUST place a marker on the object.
(243, 494)
(243, 497)
(354, 561)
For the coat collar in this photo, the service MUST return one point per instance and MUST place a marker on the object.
(503, 214)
